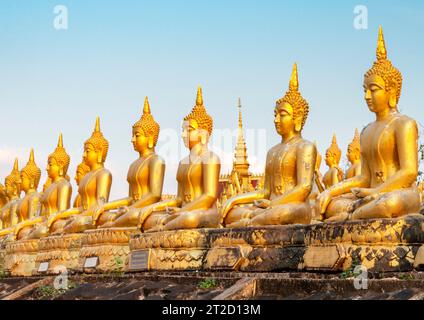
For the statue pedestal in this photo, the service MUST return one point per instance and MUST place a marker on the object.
(169, 250)
(20, 257)
(59, 252)
(105, 250)
(380, 245)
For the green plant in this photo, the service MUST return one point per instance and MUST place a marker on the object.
(207, 283)
(48, 292)
(350, 272)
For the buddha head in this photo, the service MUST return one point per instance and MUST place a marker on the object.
(291, 111)
(354, 148)
(383, 82)
(81, 171)
(12, 182)
(58, 162)
(198, 125)
(145, 132)
(333, 153)
(96, 147)
(30, 174)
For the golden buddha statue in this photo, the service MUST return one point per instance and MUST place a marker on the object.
(145, 176)
(82, 170)
(94, 189)
(197, 177)
(289, 171)
(389, 155)
(332, 158)
(29, 206)
(354, 157)
(55, 198)
(8, 213)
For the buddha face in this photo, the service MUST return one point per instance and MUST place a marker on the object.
(140, 141)
(12, 189)
(78, 176)
(53, 169)
(91, 156)
(330, 159)
(378, 95)
(352, 155)
(284, 120)
(26, 182)
(192, 134)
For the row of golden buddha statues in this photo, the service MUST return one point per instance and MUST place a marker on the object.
(381, 183)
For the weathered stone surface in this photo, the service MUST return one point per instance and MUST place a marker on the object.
(111, 246)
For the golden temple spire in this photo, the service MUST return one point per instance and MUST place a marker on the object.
(381, 46)
(146, 108)
(199, 98)
(241, 164)
(294, 80)
(240, 121)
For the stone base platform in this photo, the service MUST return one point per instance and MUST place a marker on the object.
(55, 253)
(105, 250)
(20, 257)
(380, 245)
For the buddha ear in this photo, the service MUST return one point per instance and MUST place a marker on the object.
(298, 124)
(99, 157)
(392, 94)
(150, 142)
(61, 171)
(203, 136)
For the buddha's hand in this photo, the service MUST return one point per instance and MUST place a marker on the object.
(322, 201)
(122, 210)
(262, 203)
(96, 211)
(363, 192)
(226, 207)
(143, 214)
(172, 210)
(52, 219)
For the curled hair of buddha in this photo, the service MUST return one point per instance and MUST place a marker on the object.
(60, 155)
(98, 141)
(147, 123)
(31, 169)
(384, 68)
(14, 176)
(198, 113)
(295, 99)
(334, 149)
(355, 145)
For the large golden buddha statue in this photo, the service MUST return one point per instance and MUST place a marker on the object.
(289, 171)
(332, 158)
(389, 154)
(8, 213)
(197, 177)
(145, 176)
(55, 198)
(29, 206)
(94, 189)
(354, 157)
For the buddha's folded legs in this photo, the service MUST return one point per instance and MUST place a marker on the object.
(155, 221)
(79, 224)
(390, 205)
(24, 233)
(194, 219)
(284, 214)
(239, 213)
(39, 231)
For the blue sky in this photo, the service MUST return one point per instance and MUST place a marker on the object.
(116, 52)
